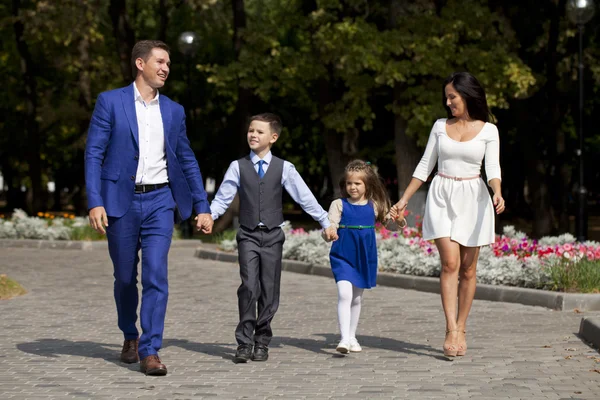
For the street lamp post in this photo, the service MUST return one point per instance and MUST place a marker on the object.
(188, 45)
(580, 12)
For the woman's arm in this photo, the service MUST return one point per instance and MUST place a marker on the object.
(422, 171)
(497, 199)
(492, 169)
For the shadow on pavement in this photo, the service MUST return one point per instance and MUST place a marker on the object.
(55, 347)
(211, 349)
(327, 345)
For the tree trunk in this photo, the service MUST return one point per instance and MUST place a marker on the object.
(124, 37)
(244, 95)
(336, 159)
(85, 102)
(31, 124)
(12, 192)
(163, 13)
(540, 198)
(407, 157)
(407, 152)
(562, 173)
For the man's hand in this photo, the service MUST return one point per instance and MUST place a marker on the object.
(204, 223)
(98, 219)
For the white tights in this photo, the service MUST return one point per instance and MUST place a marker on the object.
(349, 302)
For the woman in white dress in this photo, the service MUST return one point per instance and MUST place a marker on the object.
(459, 214)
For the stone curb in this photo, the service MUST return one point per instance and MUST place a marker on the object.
(509, 294)
(77, 244)
(589, 329)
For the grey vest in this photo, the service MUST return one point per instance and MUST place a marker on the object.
(260, 199)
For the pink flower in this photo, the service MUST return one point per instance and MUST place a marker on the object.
(567, 247)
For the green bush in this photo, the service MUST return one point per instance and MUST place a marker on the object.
(582, 276)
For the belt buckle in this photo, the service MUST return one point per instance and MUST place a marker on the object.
(456, 178)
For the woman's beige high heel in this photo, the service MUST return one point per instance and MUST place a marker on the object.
(462, 347)
(450, 350)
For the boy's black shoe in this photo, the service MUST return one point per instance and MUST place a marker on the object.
(261, 352)
(243, 353)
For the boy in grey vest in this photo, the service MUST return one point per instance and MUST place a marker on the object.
(260, 178)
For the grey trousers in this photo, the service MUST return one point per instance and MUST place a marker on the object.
(259, 253)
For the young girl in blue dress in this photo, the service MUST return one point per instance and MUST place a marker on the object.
(353, 254)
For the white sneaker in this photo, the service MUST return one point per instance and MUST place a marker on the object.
(354, 346)
(343, 347)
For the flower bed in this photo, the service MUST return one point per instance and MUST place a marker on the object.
(513, 260)
(45, 226)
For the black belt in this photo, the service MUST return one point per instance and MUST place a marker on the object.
(149, 188)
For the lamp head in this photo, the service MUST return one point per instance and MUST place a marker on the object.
(188, 43)
(580, 12)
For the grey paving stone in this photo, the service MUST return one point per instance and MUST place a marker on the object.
(60, 341)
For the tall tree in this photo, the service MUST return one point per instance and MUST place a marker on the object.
(124, 36)
(31, 124)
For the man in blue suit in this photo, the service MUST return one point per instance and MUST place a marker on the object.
(139, 167)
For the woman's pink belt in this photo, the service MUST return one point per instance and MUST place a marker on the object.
(456, 178)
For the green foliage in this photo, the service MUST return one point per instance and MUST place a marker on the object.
(228, 234)
(287, 57)
(581, 276)
(344, 65)
(85, 233)
(9, 288)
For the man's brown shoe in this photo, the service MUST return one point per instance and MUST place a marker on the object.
(129, 354)
(151, 365)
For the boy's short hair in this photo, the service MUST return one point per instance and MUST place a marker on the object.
(143, 49)
(273, 119)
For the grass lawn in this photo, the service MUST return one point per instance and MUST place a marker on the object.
(9, 288)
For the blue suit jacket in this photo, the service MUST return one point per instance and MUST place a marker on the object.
(112, 154)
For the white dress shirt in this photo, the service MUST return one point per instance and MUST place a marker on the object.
(290, 180)
(152, 165)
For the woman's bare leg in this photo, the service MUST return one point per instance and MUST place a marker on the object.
(466, 291)
(450, 259)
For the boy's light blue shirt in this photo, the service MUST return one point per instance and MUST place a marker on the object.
(290, 180)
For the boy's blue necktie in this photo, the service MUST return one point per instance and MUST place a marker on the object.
(261, 171)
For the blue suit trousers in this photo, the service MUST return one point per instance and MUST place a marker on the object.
(147, 226)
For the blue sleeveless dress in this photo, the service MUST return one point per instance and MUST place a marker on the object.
(353, 256)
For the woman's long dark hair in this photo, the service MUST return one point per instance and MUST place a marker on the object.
(472, 94)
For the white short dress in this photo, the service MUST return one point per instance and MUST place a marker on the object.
(460, 209)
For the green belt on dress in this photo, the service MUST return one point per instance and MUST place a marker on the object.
(358, 226)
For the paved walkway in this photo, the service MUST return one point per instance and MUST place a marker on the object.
(61, 341)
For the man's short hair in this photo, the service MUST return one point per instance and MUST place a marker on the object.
(143, 49)
(273, 119)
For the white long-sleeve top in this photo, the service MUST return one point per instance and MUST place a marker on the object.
(460, 159)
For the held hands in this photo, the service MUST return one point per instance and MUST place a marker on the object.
(204, 223)
(397, 211)
(498, 203)
(330, 234)
(98, 219)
